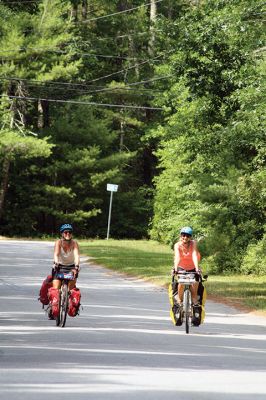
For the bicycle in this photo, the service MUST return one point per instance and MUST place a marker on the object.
(63, 297)
(186, 312)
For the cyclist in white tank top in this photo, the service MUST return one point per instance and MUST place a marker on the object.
(66, 255)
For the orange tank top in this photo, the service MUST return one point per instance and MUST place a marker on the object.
(186, 261)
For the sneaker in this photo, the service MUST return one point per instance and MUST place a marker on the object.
(179, 306)
(196, 305)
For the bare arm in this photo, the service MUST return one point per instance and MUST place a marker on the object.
(76, 254)
(56, 251)
(195, 257)
(176, 256)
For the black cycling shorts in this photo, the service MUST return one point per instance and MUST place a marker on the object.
(66, 268)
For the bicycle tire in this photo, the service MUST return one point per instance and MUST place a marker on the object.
(57, 320)
(187, 304)
(63, 304)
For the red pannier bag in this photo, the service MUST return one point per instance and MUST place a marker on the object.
(53, 295)
(74, 302)
(43, 295)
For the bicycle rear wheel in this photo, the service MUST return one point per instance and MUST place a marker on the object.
(187, 304)
(63, 305)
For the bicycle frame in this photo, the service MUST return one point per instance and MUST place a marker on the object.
(187, 279)
(63, 297)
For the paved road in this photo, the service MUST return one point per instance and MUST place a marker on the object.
(123, 345)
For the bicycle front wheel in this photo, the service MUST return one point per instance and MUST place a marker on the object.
(57, 321)
(63, 304)
(187, 304)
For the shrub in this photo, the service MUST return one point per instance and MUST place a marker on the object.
(254, 261)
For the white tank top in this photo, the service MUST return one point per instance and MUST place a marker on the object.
(66, 258)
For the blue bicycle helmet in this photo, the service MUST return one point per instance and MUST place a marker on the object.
(187, 230)
(66, 227)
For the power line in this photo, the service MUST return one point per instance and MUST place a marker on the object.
(137, 33)
(43, 82)
(127, 35)
(128, 68)
(150, 80)
(84, 91)
(83, 102)
(124, 70)
(55, 50)
(85, 84)
(120, 12)
(34, 87)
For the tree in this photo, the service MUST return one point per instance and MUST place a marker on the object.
(212, 148)
(29, 40)
(15, 145)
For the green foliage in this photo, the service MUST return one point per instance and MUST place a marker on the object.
(142, 258)
(212, 147)
(200, 162)
(29, 42)
(254, 261)
(152, 261)
(19, 145)
(69, 185)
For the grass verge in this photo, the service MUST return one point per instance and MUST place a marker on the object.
(153, 261)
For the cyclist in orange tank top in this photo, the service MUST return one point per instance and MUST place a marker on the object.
(186, 258)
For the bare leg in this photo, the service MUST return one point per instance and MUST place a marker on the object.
(56, 283)
(180, 293)
(72, 284)
(194, 292)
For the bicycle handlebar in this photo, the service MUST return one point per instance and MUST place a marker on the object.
(202, 277)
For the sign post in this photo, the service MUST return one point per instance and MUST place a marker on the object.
(110, 188)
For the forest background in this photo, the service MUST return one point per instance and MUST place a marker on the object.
(164, 98)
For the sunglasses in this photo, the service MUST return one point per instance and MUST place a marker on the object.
(185, 235)
(67, 232)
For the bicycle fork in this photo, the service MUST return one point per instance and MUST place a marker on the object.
(187, 301)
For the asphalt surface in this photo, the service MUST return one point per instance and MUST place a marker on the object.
(123, 345)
